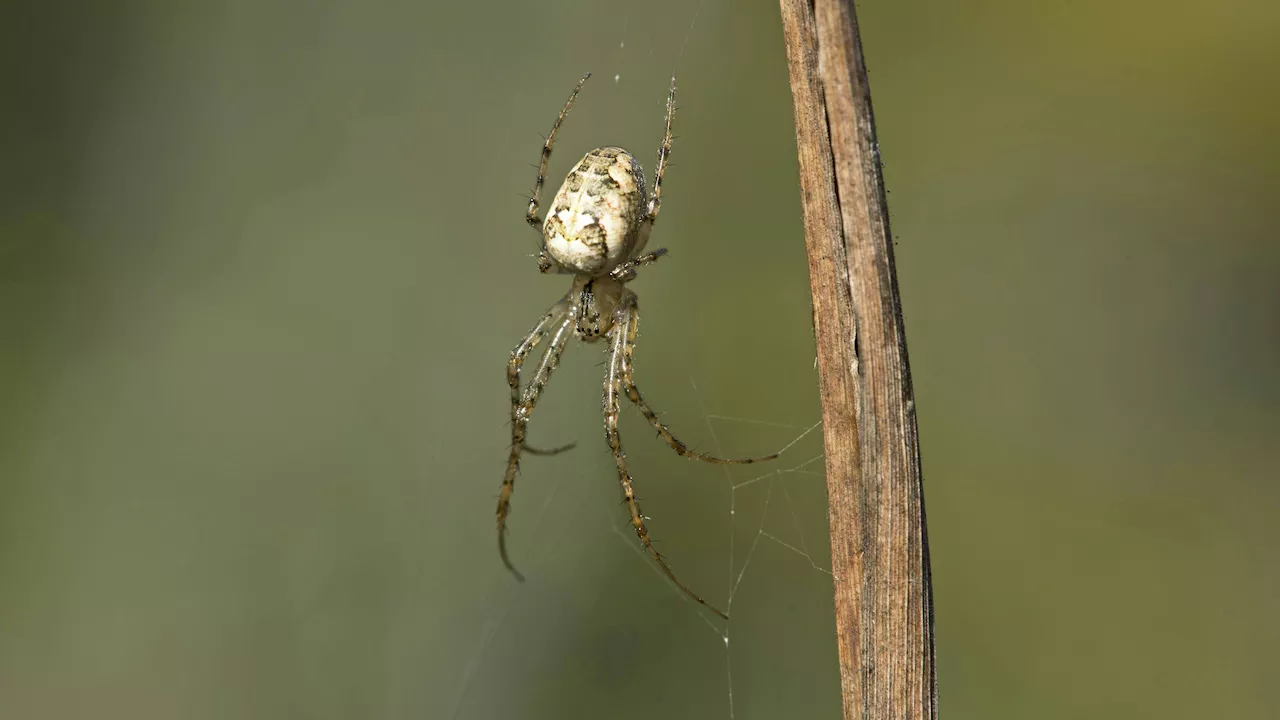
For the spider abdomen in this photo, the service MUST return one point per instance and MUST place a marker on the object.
(595, 219)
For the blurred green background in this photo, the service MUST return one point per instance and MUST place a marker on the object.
(261, 264)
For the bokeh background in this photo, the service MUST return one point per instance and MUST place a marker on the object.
(261, 264)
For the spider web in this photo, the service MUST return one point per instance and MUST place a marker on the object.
(776, 550)
(776, 482)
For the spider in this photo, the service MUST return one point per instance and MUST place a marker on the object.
(596, 231)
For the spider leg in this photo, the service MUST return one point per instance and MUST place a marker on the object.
(663, 153)
(550, 451)
(612, 384)
(532, 216)
(626, 272)
(559, 318)
(633, 393)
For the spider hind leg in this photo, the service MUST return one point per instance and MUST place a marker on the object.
(623, 328)
(633, 394)
(558, 320)
(549, 451)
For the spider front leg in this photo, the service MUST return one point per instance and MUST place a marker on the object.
(655, 204)
(560, 318)
(633, 393)
(612, 384)
(532, 216)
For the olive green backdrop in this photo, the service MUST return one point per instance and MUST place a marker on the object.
(261, 264)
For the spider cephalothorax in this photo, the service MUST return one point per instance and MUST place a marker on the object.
(596, 230)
